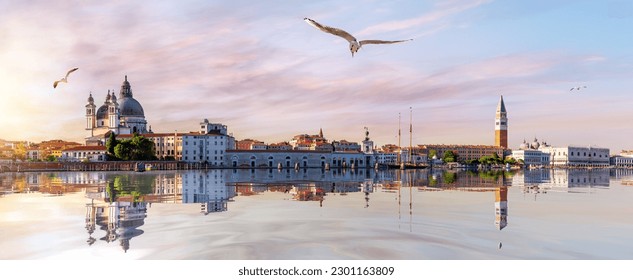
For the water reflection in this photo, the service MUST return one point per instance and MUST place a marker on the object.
(119, 220)
(119, 201)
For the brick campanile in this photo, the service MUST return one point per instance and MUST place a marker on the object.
(501, 125)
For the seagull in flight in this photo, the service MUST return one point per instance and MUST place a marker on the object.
(64, 79)
(354, 45)
(577, 88)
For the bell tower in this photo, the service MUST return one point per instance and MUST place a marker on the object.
(90, 114)
(501, 125)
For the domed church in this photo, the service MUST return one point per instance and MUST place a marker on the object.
(122, 115)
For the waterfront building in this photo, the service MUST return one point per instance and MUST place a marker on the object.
(624, 159)
(209, 145)
(84, 153)
(167, 146)
(530, 154)
(463, 152)
(573, 156)
(122, 115)
(501, 125)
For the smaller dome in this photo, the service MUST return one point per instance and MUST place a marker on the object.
(90, 99)
(535, 144)
(102, 112)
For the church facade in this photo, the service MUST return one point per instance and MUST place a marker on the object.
(122, 115)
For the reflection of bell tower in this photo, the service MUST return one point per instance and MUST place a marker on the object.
(501, 207)
(501, 125)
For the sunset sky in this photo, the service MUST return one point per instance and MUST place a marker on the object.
(257, 67)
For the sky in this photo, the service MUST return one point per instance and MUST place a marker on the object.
(258, 68)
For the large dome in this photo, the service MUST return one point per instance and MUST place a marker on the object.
(128, 106)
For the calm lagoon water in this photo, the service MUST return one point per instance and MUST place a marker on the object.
(317, 215)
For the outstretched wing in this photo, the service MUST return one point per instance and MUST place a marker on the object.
(334, 31)
(366, 42)
(55, 84)
(70, 71)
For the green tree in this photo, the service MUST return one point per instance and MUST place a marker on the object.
(449, 156)
(496, 159)
(137, 148)
(111, 145)
(510, 161)
(122, 150)
(432, 153)
(50, 158)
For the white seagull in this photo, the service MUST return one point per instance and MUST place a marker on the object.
(64, 79)
(354, 45)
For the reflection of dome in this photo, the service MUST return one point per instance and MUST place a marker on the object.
(128, 106)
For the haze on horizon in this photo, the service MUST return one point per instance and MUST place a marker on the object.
(268, 75)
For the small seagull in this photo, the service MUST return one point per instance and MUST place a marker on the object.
(577, 88)
(64, 79)
(354, 45)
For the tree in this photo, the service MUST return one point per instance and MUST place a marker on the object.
(111, 145)
(432, 153)
(50, 158)
(137, 148)
(449, 156)
(123, 150)
(19, 151)
(492, 159)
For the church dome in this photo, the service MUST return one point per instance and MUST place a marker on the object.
(535, 144)
(90, 99)
(128, 106)
(102, 112)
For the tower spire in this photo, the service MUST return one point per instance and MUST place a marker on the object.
(501, 125)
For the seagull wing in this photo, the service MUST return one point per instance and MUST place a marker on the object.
(55, 84)
(70, 71)
(365, 42)
(334, 31)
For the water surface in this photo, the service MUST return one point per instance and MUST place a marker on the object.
(315, 214)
